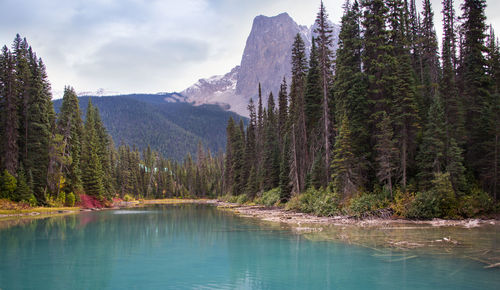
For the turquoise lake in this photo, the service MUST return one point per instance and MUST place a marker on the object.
(200, 247)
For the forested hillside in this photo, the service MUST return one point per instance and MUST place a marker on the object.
(57, 159)
(388, 124)
(171, 128)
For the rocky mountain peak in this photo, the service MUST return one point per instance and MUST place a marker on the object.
(266, 60)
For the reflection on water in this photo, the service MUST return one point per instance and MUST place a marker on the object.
(198, 246)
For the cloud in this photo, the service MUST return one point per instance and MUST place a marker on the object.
(149, 45)
(136, 63)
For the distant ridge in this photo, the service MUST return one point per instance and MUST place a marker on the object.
(164, 121)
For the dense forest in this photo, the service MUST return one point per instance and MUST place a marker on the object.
(136, 119)
(387, 125)
(54, 160)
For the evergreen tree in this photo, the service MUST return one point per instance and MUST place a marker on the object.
(405, 112)
(9, 116)
(8, 185)
(70, 126)
(431, 158)
(23, 191)
(378, 60)
(103, 142)
(271, 148)
(92, 174)
(282, 112)
(491, 143)
(475, 84)
(454, 111)
(325, 58)
(251, 153)
(228, 168)
(429, 71)
(312, 98)
(285, 182)
(386, 152)
(349, 85)
(345, 164)
(454, 166)
(40, 124)
(299, 142)
(238, 149)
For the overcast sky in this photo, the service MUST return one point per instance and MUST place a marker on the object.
(150, 46)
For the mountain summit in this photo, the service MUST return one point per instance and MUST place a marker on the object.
(266, 60)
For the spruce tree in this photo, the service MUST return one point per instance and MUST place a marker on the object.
(103, 141)
(92, 174)
(430, 68)
(431, 158)
(40, 125)
(9, 113)
(70, 126)
(251, 152)
(349, 84)
(405, 111)
(23, 191)
(312, 98)
(325, 58)
(271, 148)
(282, 112)
(285, 182)
(238, 149)
(228, 168)
(378, 60)
(475, 84)
(452, 102)
(299, 142)
(386, 152)
(345, 164)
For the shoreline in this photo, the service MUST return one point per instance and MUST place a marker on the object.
(275, 214)
(264, 213)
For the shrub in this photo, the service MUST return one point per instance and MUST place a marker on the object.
(425, 205)
(70, 199)
(363, 204)
(32, 200)
(242, 198)
(61, 199)
(269, 198)
(327, 203)
(127, 197)
(476, 203)
(402, 203)
(88, 201)
(8, 185)
(322, 202)
(293, 203)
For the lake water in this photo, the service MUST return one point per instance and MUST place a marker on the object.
(200, 247)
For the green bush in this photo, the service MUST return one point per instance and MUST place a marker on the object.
(32, 200)
(269, 198)
(127, 197)
(322, 202)
(8, 185)
(364, 203)
(402, 203)
(476, 203)
(61, 199)
(70, 199)
(425, 205)
(241, 199)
